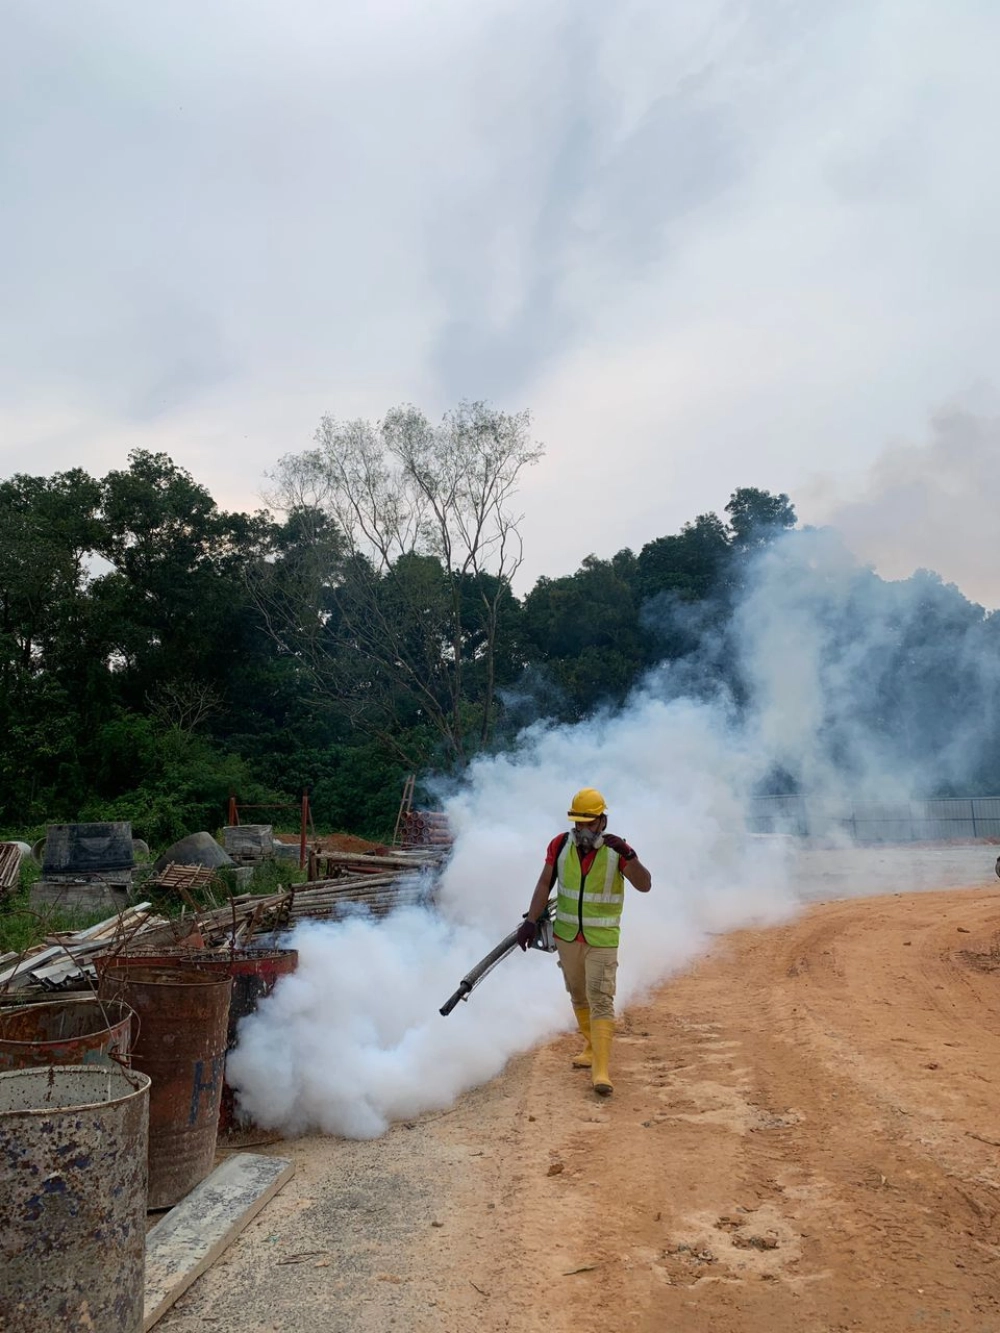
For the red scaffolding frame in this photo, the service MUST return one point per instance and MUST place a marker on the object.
(305, 823)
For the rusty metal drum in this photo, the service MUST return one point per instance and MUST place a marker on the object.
(255, 973)
(183, 1015)
(65, 1032)
(73, 1141)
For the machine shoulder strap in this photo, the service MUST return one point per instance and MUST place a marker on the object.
(555, 864)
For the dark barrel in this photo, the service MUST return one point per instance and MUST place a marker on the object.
(73, 1203)
(255, 973)
(65, 1032)
(183, 1016)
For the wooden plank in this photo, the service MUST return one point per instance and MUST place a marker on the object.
(204, 1224)
(110, 924)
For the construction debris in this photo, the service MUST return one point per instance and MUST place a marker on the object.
(204, 1224)
(88, 849)
(185, 880)
(377, 884)
(10, 866)
(213, 925)
(419, 828)
(426, 828)
(245, 916)
(331, 864)
(87, 867)
(64, 964)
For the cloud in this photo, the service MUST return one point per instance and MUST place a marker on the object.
(733, 243)
(930, 505)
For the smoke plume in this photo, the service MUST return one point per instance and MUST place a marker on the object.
(837, 684)
(931, 505)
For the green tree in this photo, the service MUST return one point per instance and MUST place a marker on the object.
(48, 682)
(756, 517)
(47, 528)
(688, 564)
(174, 607)
(585, 629)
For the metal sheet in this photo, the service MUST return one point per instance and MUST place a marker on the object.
(73, 1202)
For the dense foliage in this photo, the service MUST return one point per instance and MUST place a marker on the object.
(158, 653)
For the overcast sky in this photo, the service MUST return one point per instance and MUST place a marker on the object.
(708, 245)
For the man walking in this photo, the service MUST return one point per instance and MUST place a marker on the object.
(590, 868)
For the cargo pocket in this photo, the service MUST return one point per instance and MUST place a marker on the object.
(608, 979)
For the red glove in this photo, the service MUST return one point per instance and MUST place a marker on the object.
(526, 933)
(620, 846)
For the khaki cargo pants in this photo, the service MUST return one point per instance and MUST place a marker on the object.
(590, 975)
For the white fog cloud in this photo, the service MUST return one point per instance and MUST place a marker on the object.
(823, 650)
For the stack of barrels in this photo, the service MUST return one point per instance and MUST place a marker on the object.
(110, 1106)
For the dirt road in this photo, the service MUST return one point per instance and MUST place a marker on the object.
(805, 1135)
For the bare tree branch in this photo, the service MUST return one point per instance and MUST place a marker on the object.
(400, 492)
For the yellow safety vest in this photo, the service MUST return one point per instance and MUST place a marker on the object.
(592, 902)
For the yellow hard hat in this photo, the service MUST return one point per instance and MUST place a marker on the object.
(587, 804)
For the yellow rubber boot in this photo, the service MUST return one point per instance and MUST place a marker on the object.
(602, 1031)
(586, 1057)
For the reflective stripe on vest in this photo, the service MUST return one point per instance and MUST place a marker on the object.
(595, 901)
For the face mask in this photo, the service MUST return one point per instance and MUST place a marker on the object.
(586, 839)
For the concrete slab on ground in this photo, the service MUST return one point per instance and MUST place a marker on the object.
(195, 1233)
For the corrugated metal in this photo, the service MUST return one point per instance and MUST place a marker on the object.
(10, 865)
(940, 830)
(868, 812)
(944, 808)
(883, 830)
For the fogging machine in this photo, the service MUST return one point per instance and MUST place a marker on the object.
(543, 940)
